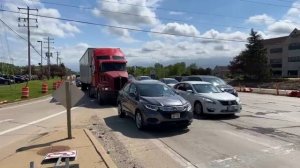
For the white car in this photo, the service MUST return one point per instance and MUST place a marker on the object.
(207, 98)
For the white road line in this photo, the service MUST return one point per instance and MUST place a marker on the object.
(251, 140)
(15, 106)
(33, 122)
(2, 121)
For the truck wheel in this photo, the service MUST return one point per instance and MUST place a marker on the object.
(99, 98)
(91, 95)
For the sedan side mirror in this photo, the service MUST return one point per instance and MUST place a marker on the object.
(190, 91)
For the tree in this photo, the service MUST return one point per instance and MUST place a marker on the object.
(253, 61)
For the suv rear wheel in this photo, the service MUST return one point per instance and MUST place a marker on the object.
(121, 113)
(139, 123)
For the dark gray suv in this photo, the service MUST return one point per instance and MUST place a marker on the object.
(151, 102)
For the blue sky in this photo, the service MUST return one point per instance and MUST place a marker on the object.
(218, 19)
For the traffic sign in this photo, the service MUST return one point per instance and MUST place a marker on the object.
(62, 154)
(75, 94)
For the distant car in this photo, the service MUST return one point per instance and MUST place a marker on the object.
(5, 81)
(220, 83)
(18, 79)
(130, 78)
(206, 98)
(78, 82)
(151, 102)
(9, 78)
(169, 81)
(143, 78)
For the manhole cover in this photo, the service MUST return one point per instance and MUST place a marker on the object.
(52, 149)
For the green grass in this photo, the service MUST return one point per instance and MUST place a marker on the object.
(12, 93)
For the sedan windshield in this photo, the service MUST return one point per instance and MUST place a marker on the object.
(170, 81)
(206, 88)
(155, 90)
(213, 80)
(113, 67)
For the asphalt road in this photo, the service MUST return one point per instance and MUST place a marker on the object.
(265, 134)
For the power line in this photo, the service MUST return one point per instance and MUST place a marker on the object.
(19, 36)
(137, 15)
(271, 4)
(129, 28)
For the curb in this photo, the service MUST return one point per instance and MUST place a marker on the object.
(100, 150)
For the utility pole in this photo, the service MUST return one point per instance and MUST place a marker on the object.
(57, 54)
(27, 21)
(49, 54)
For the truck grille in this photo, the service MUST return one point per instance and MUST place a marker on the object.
(119, 82)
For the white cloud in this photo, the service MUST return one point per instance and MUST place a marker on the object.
(134, 15)
(175, 13)
(137, 15)
(281, 27)
(177, 29)
(261, 19)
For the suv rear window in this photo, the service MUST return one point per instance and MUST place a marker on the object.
(191, 78)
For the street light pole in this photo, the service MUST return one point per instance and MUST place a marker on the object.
(41, 42)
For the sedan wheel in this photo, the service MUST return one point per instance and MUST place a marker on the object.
(139, 121)
(198, 109)
(121, 113)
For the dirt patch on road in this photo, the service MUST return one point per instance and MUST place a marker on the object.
(112, 145)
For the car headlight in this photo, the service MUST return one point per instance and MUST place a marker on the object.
(209, 101)
(188, 107)
(151, 107)
(238, 100)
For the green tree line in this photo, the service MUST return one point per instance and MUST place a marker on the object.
(161, 71)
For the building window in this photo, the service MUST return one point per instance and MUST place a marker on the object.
(276, 65)
(276, 73)
(294, 46)
(292, 73)
(275, 50)
(294, 59)
(275, 61)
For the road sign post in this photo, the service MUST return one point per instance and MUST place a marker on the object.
(68, 95)
(68, 104)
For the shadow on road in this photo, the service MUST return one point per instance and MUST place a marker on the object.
(25, 148)
(126, 126)
(216, 117)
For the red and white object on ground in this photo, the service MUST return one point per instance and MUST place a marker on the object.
(62, 154)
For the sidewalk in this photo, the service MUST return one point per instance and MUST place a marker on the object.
(88, 155)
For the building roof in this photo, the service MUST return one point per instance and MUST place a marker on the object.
(278, 40)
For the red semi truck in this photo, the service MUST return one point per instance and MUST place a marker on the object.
(103, 73)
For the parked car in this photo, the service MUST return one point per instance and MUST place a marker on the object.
(143, 78)
(169, 81)
(220, 83)
(5, 81)
(9, 78)
(18, 79)
(151, 102)
(206, 98)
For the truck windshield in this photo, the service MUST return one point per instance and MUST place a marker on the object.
(113, 67)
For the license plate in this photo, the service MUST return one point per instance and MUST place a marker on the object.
(175, 115)
(232, 108)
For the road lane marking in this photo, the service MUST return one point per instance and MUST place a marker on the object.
(33, 122)
(7, 120)
(5, 108)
